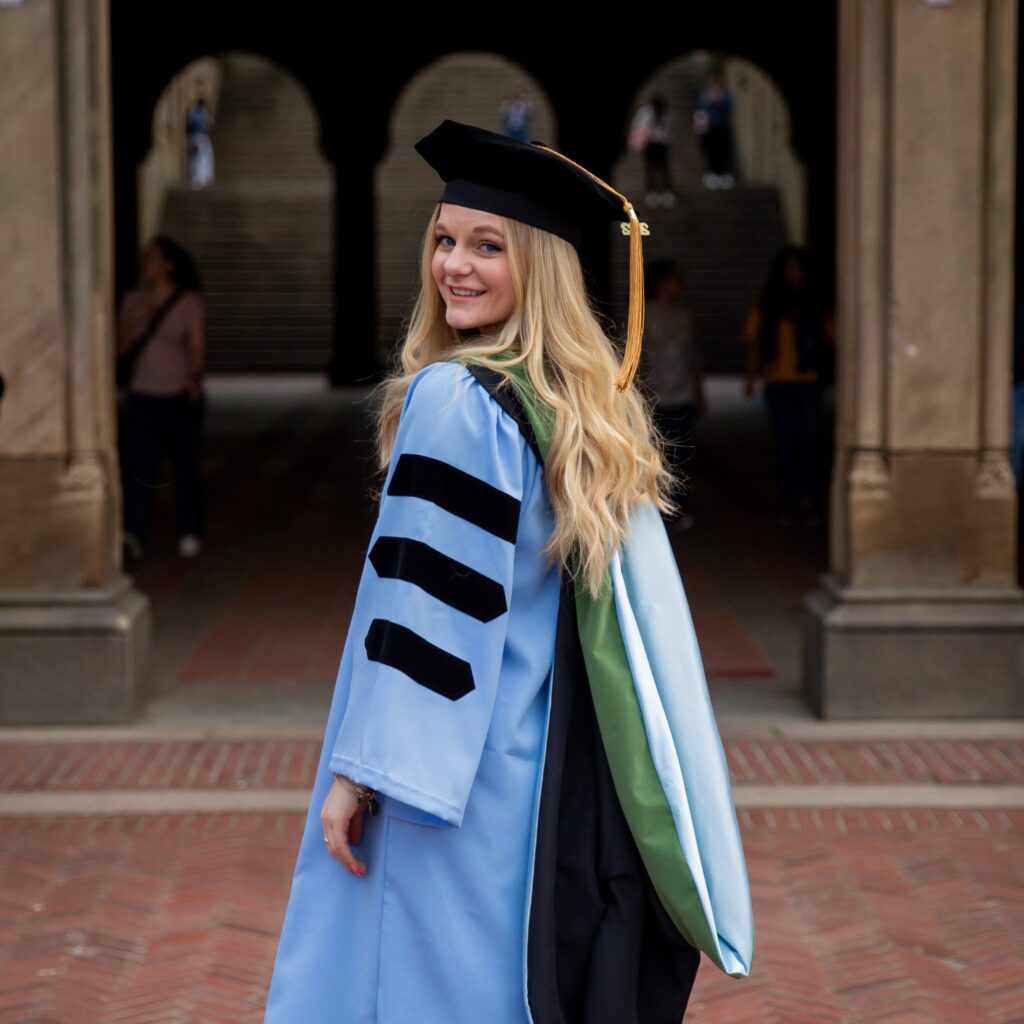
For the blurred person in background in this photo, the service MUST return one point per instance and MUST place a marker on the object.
(163, 320)
(516, 116)
(670, 367)
(198, 130)
(712, 121)
(790, 339)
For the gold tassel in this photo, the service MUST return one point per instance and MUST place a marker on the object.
(635, 319)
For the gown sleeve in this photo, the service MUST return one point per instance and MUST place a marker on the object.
(431, 611)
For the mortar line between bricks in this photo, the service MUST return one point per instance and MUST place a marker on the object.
(729, 726)
(894, 795)
(41, 804)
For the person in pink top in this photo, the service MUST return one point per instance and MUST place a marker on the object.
(163, 319)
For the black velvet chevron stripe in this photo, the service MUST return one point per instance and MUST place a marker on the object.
(399, 647)
(458, 492)
(459, 585)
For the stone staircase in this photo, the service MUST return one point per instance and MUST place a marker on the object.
(466, 87)
(263, 235)
(724, 239)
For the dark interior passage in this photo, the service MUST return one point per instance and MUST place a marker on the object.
(254, 627)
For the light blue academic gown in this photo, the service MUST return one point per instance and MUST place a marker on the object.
(441, 704)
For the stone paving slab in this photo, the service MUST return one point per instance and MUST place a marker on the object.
(175, 920)
(262, 763)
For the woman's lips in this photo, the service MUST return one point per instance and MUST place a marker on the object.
(462, 298)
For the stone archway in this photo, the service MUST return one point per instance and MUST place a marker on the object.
(406, 187)
(725, 240)
(262, 233)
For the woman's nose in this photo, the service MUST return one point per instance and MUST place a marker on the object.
(456, 261)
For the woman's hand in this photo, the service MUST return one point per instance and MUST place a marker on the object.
(342, 819)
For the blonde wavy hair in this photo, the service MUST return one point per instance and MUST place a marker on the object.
(606, 455)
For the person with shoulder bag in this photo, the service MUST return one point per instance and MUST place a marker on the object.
(161, 356)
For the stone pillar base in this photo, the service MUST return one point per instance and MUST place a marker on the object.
(880, 653)
(75, 657)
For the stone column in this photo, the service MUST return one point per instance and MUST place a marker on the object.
(920, 615)
(74, 635)
(355, 360)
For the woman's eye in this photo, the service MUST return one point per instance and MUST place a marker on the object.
(494, 247)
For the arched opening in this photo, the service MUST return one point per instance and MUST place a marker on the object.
(724, 238)
(277, 439)
(747, 566)
(470, 87)
(261, 229)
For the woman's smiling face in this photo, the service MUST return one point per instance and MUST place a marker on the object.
(471, 269)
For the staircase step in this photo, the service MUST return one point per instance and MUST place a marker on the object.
(263, 235)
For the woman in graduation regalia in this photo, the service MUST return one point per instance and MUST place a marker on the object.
(521, 811)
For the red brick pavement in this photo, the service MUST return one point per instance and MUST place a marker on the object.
(291, 763)
(174, 920)
(892, 915)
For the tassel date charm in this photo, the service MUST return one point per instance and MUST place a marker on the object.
(364, 794)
